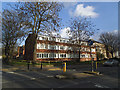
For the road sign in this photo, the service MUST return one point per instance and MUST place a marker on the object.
(90, 42)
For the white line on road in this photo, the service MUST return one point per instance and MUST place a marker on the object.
(101, 86)
(21, 75)
(50, 76)
(10, 72)
(33, 78)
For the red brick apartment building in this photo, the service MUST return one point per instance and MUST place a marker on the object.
(21, 52)
(58, 49)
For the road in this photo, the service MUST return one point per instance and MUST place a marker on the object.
(15, 80)
(46, 79)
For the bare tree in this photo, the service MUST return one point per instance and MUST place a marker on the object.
(81, 29)
(12, 31)
(110, 40)
(42, 17)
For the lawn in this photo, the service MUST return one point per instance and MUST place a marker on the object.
(24, 62)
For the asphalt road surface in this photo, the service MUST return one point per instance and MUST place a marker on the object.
(11, 80)
(45, 79)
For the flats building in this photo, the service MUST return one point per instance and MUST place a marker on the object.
(58, 49)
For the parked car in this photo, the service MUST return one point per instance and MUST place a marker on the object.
(111, 62)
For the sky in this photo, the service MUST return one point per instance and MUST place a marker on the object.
(103, 14)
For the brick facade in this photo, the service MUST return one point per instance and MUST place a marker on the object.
(50, 50)
(29, 47)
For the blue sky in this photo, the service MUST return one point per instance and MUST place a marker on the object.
(103, 14)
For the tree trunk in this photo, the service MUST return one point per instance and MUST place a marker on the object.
(34, 48)
(79, 50)
(7, 51)
(79, 54)
(112, 54)
(7, 59)
(107, 53)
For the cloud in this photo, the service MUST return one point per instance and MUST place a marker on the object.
(115, 31)
(97, 35)
(63, 32)
(82, 11)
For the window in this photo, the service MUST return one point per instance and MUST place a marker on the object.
(52, 47)
(51, 55)
(54, 55)
(60, 40)
(46, 46)
(67, 41)
(64, 41)
(93, 50)
(46, 55)
(54, 39)
(37, 55)
(43, 38)
(63, 55)
(83, 56)
(40, 55)
(38, 46)
(42, 46)
(49, 38)
(57, 47)
(72, 42)
(61, 48)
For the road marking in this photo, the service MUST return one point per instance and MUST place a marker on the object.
(74, 69)
(33, 78)
(50, 76)
(21, 75)
(10, 72)
(101, 86)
